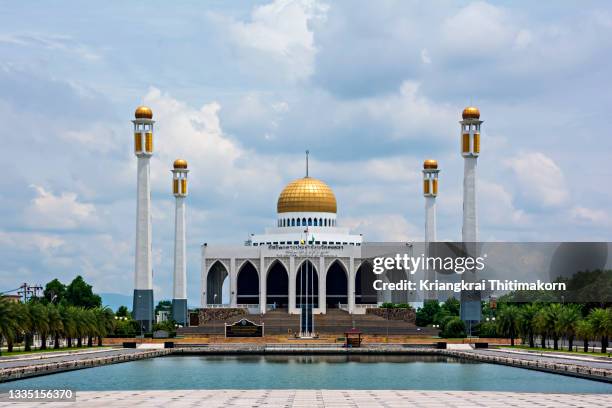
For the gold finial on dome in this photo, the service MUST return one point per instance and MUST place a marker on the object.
(430, 164)
(180, 164)
(143, 112)
(471, 112)
(307, 194)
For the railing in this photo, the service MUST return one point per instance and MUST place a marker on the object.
(248, 305)
(366, 306)
(216, 306)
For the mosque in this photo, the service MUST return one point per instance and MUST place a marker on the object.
(305, 261)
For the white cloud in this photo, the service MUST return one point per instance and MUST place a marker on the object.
(64, 211)
(281, 29)
(478, 28)
(383, 228)
(52, 42)
(497, 208)
(540, 179)
(425, 58)
(590, 216)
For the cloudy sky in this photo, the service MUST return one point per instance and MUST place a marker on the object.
(240, 89)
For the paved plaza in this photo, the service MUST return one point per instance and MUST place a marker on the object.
(324, 398)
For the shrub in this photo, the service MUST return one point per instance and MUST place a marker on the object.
(454, 327)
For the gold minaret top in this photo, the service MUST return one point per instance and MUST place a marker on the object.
(471, 112)
(143, 112)
(180, 164)
(430, 164)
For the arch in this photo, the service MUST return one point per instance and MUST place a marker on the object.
(304, 222)
(310, 222)
(217, 274)
(277, 285)
(306, 272)
(325, 222)
(298, 222)
(247, 287)
(364, 280)
(320, 222)
(336, 284)
(315, 223)
(293, 222)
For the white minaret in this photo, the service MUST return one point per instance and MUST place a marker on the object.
(143, 274)
(179, 297)
(470, 149)
(430, 192)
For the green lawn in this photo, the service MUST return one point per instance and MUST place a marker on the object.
(549, 350)
(48, 350)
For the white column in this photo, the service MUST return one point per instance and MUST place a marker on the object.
(233, 283)
(180, 252)
(469, 231)
(263, 289)
(322, 286)
(430, 236)
(292, 286)
(143, 277)
(351, 285)
(203, 277)
(430, 219)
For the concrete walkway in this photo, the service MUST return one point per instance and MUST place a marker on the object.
(63, 357)
(325, 398)
(591, 363)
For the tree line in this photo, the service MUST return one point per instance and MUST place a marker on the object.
(552, 322)
(20, 322)
(65, 312)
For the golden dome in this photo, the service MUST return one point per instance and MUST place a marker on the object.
(180, 164)
(306, 195)
(143, 112)
(430, 164)
(471, 112)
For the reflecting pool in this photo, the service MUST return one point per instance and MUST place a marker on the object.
(310, 372)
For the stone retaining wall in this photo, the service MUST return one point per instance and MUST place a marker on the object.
(16, 373)
(210, 314)
(574, 370)
(407, 315)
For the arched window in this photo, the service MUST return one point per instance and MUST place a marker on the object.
(310, 222)
(298, 222)
(320, 222)
(293, 222)
(325, 222)
(315, 222)
(303, 222)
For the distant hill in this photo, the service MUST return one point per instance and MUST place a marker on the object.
(114, 300)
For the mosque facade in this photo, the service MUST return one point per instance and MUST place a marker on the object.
(306, 258)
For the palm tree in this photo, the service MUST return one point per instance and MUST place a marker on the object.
(56, 326)
(21, 320)
(92, 326)
(568, 319)
(38, 323)
(527, 322)
(540, 325)
(601, 320)
(67, 314)
(105, 320)
(555, 325)
(9, 326)
(584, 331)
(508, 322)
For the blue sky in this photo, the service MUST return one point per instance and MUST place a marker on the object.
(241, 89)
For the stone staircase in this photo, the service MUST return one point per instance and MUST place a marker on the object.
(336, 321)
